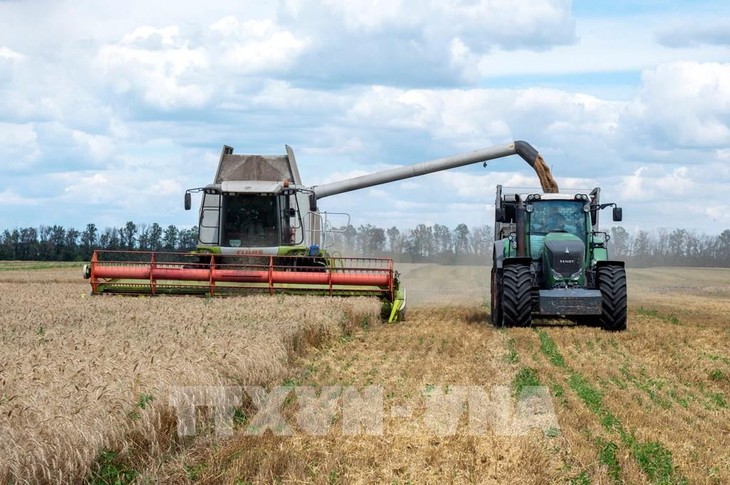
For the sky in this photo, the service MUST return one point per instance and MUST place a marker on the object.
(109, 110)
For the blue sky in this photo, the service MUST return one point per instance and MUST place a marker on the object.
(110, 110)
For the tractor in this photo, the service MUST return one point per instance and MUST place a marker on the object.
(551, 260)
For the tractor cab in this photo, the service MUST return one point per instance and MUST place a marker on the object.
(557, 229)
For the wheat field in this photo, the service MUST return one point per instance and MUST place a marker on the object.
(85, 383)
(82, 376)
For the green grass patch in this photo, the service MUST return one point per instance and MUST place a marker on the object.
(718, 399)
(525, 377)
(511, 357)
(654, 460)
(650, 312)
(608, 456)
(593, 398)
(717, 375)
(715, 358)
(111, 470)
(548, 347)
(37, 265)
(581, 479)
(651, 387)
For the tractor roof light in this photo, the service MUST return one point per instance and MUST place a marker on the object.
(582, 197)
(532, 197)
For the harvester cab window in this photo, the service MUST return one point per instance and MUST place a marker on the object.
(250, 220)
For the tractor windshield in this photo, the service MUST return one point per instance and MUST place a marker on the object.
(558, 216)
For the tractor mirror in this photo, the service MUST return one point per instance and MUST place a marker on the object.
(617, 214)
(188, 202)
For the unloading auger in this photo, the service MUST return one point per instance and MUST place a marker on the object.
(260, 231)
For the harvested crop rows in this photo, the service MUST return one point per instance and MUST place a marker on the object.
(84, 383)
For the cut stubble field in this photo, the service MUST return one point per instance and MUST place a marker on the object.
(85, 384)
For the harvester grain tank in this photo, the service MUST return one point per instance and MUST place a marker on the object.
(551, 259)
(260, 229)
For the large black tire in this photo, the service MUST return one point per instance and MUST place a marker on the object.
(496, 298)
(612, 283)
(516, 296)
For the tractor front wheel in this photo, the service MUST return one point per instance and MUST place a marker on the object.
(612, 283)
(516, 296)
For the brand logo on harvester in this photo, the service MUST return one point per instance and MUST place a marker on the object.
(567, 261)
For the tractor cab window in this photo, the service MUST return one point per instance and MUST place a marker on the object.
(250, 220)
(558, 216)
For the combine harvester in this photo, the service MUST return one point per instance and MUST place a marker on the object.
(260, 230)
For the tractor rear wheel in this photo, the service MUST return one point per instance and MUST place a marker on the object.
(516, 296)
(612, 283)
(496, 300)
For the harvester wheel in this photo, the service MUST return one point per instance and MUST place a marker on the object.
(516, 296)
(496, 298)
(612, 283)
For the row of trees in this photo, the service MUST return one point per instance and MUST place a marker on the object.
(56, 243)
(462, 245)
(436, 243)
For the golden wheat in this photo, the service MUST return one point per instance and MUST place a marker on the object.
(76, 370)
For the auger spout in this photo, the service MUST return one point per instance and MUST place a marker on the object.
(521, 148)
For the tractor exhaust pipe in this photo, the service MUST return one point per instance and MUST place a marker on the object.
(520, 227)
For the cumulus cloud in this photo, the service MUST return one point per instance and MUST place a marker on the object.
(686, 103)
(9, 55)
(361, 43)
(18, 146)
(651, 183)
(692, 34)
(157, 64)
(255, 46)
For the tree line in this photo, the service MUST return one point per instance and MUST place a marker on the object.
(56, 243)
(424, 243)
(463, 245)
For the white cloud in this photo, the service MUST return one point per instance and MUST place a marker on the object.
(99, 148)
(18, 145)
(686, 103)
(255, 46)
(7, 54)
(11, 199)
(159, 64)
(693, 33)
(652, 183)
(167, 187)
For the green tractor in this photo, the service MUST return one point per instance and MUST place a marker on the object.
(550, 259)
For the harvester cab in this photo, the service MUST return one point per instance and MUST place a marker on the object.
(551, 259)
(257, 205)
